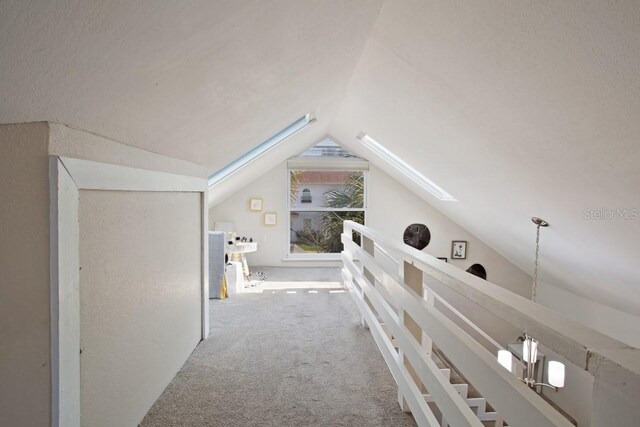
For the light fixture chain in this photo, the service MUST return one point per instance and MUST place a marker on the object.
(535, 269)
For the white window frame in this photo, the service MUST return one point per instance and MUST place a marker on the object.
(336, 165)
(259, 150)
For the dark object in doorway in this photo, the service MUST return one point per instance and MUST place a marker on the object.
(478, 270)
(417, 236)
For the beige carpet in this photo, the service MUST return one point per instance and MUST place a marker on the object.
(289, 357)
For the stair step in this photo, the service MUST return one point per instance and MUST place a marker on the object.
(460, 388)
(446, 372)
(488, 416)
(478, 402)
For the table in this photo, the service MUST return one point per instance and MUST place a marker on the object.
(237, 252)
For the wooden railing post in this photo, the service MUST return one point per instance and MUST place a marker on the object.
(413, 279)
(368, 246)
(427, 342)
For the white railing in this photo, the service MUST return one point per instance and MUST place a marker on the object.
(389, 291)
(389, 262)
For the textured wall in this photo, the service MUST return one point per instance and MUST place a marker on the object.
(139, 297)
(25, 333)
(24, 267)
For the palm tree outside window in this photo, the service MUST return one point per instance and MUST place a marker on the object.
(316, 224)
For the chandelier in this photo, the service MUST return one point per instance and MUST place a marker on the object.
(529, 356)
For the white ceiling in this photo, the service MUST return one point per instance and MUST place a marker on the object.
(203, 80)
(515, 108)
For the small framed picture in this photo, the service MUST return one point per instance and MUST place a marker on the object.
(441, 258)
(255, 204)
(459, 249)
(270, 218)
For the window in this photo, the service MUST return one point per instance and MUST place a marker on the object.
(317, 211)
(327, 185)
(319, 202)
(260, 149)
(306, 196)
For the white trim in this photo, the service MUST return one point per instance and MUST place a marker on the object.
(204, 197)
(65, 297)
(90, 175)
(328, 163)
(67, 176)
(258, 151)
(54, 168)
(322, 209)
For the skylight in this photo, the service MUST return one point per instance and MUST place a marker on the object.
(260, 149)
(404, 168)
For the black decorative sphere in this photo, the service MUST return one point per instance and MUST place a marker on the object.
(417, 236)
(478, 270)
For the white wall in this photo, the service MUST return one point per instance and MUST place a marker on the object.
(25, 336)
(70, 142)
(139, 298)
(607, 320)
(25, 384)
(137, 338)
(391, 208)
(272, 240)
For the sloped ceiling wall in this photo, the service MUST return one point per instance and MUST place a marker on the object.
(198, 80)
(517, 109)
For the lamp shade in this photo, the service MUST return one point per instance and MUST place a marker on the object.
(504, 358)
(556, 374)
(530, 350)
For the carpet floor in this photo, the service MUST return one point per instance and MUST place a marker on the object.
(289, 357)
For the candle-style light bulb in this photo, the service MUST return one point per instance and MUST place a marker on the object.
(556, 374)
(505, 359)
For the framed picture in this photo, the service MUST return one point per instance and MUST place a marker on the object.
(441, 258)
(255, 204)
(459, 249)
(270, 218)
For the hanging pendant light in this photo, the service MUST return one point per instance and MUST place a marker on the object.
(556, 374)
(539, 222)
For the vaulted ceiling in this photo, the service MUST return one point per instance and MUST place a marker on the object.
(515, 108)
(198, 80)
